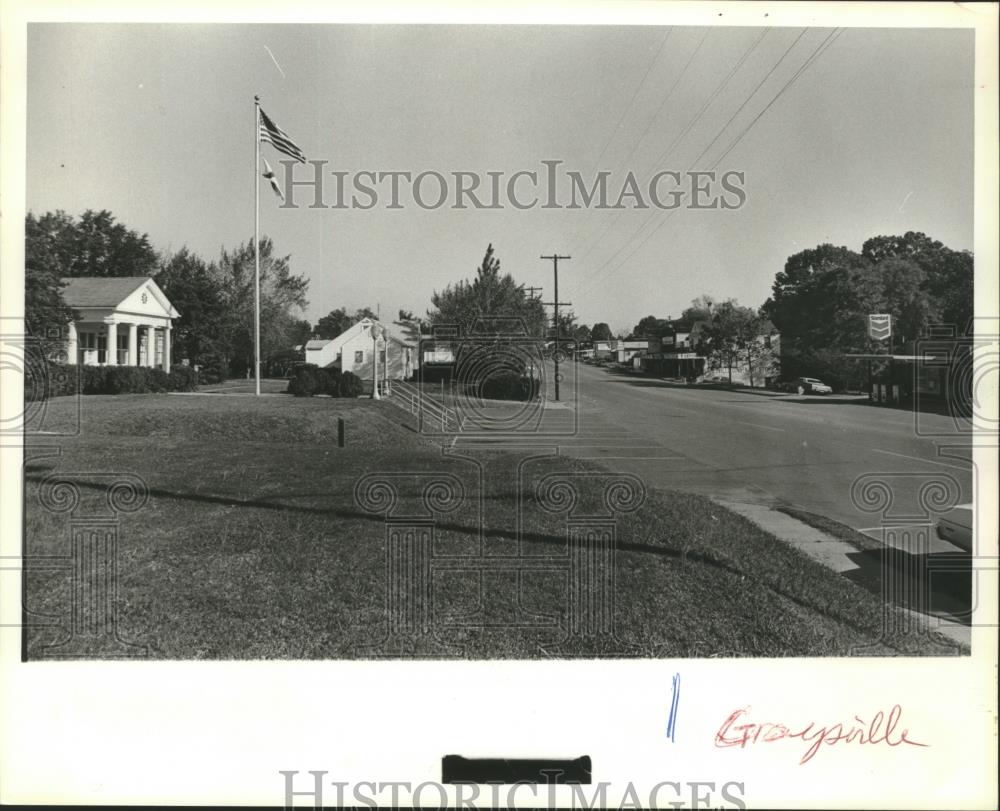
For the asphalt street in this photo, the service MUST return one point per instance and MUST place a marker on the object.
(755, 447)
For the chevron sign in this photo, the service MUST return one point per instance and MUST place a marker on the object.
(879, 326)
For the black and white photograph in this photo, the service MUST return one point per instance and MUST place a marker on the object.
(383, 344)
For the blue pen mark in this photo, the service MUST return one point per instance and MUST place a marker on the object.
(672, 718)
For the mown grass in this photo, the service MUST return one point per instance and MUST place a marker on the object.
(253, 545)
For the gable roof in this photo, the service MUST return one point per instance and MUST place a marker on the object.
(93, 291)
(356, 329)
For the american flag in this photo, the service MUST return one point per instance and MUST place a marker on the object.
(272, 134)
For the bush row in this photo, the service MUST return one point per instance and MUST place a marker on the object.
(509, 387)
(60, 379)
(308, 379)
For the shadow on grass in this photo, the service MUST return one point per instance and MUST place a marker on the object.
(662, 553)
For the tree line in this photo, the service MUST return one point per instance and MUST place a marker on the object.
(820, 303)
(214, 297)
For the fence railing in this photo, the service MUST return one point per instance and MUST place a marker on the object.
(419, 404)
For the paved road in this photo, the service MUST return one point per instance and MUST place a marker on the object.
(805, 452)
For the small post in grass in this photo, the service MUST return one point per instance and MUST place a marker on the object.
(340, 432)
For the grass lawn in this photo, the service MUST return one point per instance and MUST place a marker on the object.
(253, 545)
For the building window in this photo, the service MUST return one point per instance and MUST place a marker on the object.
(122, 350)
(102, 349)
(158, 348)
(86, 342)
(381, 358)
(359, 356)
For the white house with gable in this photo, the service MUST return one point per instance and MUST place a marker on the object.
(353, 351)
(119, 321)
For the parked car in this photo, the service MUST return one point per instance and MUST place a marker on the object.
(955, 526)
(810, 385)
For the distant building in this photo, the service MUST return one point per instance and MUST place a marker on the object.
(354, 351)
(675, 357)
(623, 350)
(603, 350)
(119, 321)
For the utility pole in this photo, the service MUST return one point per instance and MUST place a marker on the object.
(532, 297)
(555, 311)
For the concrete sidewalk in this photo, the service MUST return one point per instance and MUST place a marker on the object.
(835, 554)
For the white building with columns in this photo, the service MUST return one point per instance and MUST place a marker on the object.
(120, 321)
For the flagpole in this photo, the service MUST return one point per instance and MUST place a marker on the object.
(256, 246)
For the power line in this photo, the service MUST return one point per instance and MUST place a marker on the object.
(718, 135)
(698, 116)
(822, 47)
(635, 95)
(753, 93)
(831, 38)
(628, 107)
(659, 109)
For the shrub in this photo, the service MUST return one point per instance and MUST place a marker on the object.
(508, 387)
(329, 381)
(157, 381)
(183, 378)
(350, 385)
(304, 381)
(92, 379)
(61, 379)
(126, 380)
(211, 369)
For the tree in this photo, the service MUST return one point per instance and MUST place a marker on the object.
(299, 331)
(488, 294)
(947, 274)
(600, 332)
(567, 324)
(653, 328)
(337, 321)
(701, 309)
(721, 339)
(193, 287)
(45, 312)
(821, 301)
(282, 295)
(94, 245)
(411, 325)
(334, 323)
(581, 334)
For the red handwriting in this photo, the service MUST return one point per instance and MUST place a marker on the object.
(881, 729)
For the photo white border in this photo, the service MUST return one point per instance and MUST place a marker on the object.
(219, 732)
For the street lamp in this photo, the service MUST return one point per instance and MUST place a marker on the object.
(376, 332)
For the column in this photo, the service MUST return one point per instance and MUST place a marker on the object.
(71, 343)
(112, 343)
(166, 348)
(133, 344)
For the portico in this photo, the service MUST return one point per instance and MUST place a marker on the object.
(122, 321)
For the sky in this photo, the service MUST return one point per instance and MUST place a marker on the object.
(156, 124)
